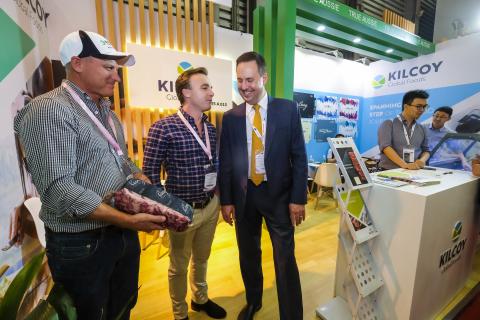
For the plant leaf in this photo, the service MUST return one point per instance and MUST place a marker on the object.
(43, 311)
(20, 284)
(63, 303)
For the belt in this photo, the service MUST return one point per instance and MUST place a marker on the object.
(92, 232)
(202, 204)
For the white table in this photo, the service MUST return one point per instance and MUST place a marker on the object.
(416, 225)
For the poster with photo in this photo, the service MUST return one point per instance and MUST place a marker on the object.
(325, 129)
(326, 107)
(307, 129)
(356, 209)
(348, 128)
(305, 103)
(351, 163)
(27, 73)
(348, 109)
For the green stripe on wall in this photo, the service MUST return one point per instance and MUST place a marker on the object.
(16, 44)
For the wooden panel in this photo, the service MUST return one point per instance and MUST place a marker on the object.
(161, 24)
(111, 24)
(204, 27)
(195, 26)
(99, 14)
(122, 21)
(143, 33)
(211, 32)
(129, 131)
(188, 40)
(132, 18)
(139, 135)
(178, 14)
(170, 24)
(116, 100)
(151, 21)
(156, 115)
(147, 121)
(397, 20)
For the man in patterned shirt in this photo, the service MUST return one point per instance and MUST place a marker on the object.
(74, 148)
(185, 144)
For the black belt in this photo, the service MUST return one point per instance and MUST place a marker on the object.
(202, 204)
(92, 232)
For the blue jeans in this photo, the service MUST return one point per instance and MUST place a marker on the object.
(98, 268)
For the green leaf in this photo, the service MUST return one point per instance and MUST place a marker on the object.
(20, 284)
(63, 303)
(43, 311)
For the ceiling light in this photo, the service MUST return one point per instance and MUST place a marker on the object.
(389, 50)
(321, 28)
(357, 40)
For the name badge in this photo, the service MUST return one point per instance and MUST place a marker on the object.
(409, 155)
(210, 181)
(260, 163)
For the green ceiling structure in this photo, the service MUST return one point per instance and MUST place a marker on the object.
(278, 22)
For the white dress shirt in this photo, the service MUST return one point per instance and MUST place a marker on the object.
(250, 113)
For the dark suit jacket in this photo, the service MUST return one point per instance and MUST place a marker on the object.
(285, 155)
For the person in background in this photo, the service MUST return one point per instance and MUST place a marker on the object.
(402, 141)
(263, 175)
(330, 156)
(185, 144)
(75, 150)
(437, 130)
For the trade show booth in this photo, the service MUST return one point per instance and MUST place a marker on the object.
(407, 240)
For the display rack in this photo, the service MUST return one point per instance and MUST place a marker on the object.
(362, 277)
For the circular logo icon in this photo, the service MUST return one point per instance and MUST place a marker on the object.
(378, 81)
(457, 230)
(184, 66)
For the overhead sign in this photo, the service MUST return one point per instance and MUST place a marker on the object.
(351, 14)
(151, 81)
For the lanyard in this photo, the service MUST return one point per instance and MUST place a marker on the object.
(100, 126)
(206, 148)
(405, 131)
(257, 132)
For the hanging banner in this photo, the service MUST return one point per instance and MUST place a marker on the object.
(151, 81)
(25, 72)
(450, 76)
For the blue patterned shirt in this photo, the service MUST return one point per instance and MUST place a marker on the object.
(171, 144)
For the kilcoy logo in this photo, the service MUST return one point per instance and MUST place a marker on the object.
(406, 75)
(414, 71)
(454, 253)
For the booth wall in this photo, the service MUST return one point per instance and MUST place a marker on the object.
(68, 16)
(337, 87)
(450, 76)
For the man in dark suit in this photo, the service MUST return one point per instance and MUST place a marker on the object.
(263, 174)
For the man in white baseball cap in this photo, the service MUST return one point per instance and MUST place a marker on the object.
(90, 44)
(75, 151)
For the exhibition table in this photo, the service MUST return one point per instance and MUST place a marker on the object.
(425, 247)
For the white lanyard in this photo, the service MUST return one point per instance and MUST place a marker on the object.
(254, 128)
(405, 131)
(205, 148)
(100, 126)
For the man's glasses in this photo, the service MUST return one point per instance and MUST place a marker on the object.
(420, 107)
(440, 117)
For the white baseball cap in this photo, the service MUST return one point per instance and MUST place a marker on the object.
(90, 44)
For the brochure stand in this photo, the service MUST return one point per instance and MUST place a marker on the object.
(355, 234)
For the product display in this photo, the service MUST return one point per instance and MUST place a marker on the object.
(138, 196)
